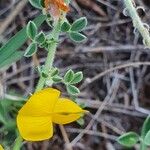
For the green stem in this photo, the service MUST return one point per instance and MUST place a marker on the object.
(142, 145)
(51, 55)
(137, 21)
(18, 143)
(48, 65)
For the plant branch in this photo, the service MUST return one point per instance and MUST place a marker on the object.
(137, 23)
(18, 142)
(50, 56)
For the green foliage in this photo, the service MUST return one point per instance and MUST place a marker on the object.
(65, 27)
(54, 72)
(79, 24)
(75, 29)
(9, 53)
(70, 79)
(71, 89)
(81, 121)
(32, 48)
(128, 139)
(147, 138)
(44, 75)
(77, 37)
(145, 127)
(2, 113)
(145, 134)
(36, 3)
(40, 38)
(11, 59)
(42, 3)
(57, 79)
(44, 45)
(8, 111)
(77, 78)
(68, 76)
(31, 30)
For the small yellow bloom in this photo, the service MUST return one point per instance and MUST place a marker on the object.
(1, 148)
(35, 119)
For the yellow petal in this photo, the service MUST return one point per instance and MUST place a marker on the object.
(35, 128)
(1, 148)
(34, 120)
(66, 111)
(41, 103)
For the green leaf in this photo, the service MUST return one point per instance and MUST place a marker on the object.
(79, 24)
(145, 127)
(72, 90)
(16, 42)
(12, 58)
(77, 78)
(81, 121)
(36, 3)
(83, 105)
(65, 27)
(2, 113)
(54, 72)
(44, 45)
(42, 3)
(40, 38)
(77, 37)
(69, 76)
(44, 75)
(57, 79)
(128, 139)
(147, 138)
(32, 48)
(31, 30)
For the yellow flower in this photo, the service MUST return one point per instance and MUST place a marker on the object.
(1, 148)
(35, 119)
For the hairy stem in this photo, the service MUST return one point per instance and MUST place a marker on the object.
(137, 22)
(50, 57)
